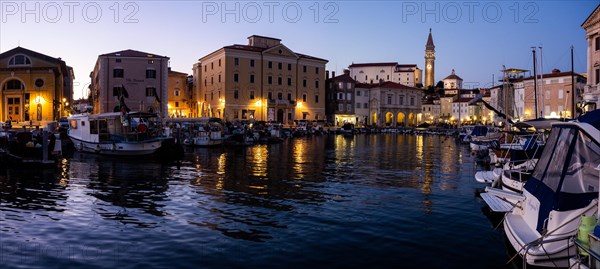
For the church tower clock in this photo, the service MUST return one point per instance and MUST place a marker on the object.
(429, 62)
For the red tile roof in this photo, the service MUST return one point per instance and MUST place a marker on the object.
(177, 73)
(463, 100)
(261, 49)
(453, 76)
(342, 78)
(373, 64)
(133, 53)
(554, 75)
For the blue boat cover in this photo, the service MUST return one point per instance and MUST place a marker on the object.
(592, 118)
(479, 131)
(565, 177)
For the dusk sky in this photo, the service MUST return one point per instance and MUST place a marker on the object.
(474, 38)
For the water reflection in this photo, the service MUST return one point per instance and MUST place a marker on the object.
(374, 191)
(129, 186)
(32, 189)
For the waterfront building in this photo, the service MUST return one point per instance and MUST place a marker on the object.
(554, 95)
(130, 79)
(362, 109)
(35, 87)
(462, 110)
(591, 95)
(371, 73)
(446, 100)
(392, 104)
(453, 81)
(431, 109)
(486, 115)
(263, 80)
(340, 99)
(180, 100)
(429, 62)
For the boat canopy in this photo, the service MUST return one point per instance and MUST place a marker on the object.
(565, 177)
(479, 131)
(591, 118)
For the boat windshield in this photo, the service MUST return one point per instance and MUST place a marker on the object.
(570, 164)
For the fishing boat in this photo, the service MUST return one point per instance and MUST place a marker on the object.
(562, 188)
(117, 133)
(199, 132)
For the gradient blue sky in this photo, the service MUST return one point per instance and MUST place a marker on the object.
(475, 38)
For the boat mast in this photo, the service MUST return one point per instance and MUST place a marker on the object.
(573, 86)
(504, 90)
(542, 83)
(535, 78)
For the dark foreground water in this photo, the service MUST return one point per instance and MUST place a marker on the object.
(372, 201)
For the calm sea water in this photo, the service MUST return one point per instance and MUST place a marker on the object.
(372, 201)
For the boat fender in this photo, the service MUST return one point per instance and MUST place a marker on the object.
(80, 146)
(97, 148)
(585, 227)
(114, 147)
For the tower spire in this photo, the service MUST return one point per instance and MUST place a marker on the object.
(430, 45)
(429, 61)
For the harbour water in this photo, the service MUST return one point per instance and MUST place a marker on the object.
(368, 201)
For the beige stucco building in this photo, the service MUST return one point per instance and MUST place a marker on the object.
(132, 79)
(554, 95)
(392, 104)
(405, 74)
(180, 99)
(591, 25)
(453, 81)
(35, 87)
(263, 80)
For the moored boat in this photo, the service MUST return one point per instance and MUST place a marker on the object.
(562, 188)
(116, 133)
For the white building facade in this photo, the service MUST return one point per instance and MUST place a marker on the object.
(591, 95)
(370, 73)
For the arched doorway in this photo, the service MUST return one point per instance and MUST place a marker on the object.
(401, 119)
(280, 115)
(13, 90)
(389, 119)
(411, 119)
(375, 119)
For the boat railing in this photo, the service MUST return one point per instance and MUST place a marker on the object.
(570, 239)
(592, 254)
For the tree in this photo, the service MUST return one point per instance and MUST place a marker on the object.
(430, 90)
(439, 85)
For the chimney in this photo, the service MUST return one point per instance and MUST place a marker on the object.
(332, 74)
(346, 72)
(326, 74)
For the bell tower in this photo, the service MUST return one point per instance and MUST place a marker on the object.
(429, 62)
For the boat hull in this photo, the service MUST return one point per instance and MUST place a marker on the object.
(551, 250)
(118, 148)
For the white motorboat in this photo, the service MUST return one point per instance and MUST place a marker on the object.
(116, 133)
(563, 187)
